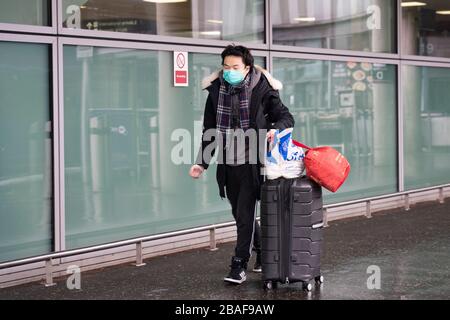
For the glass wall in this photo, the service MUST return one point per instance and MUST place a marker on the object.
(25, 151)
(350, 106)
(426, 28)
(426, 97)
(130, 136)
(130, 139)
(363, 25)
(32, 12)
(238, 20)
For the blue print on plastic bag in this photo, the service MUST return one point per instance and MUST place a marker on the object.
(284, 145)
(295, 155)
(269, 157)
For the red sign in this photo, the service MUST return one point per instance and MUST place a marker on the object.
(180, 77)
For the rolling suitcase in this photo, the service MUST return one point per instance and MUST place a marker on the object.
(291, 225)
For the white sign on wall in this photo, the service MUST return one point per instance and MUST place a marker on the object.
(180, 69)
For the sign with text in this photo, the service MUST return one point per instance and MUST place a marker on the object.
(180, 69)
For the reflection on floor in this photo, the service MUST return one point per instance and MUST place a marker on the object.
(410, 248)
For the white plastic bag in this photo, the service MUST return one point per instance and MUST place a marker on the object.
(284, 159)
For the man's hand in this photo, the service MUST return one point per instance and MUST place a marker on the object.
(196, 171)
(270, 135)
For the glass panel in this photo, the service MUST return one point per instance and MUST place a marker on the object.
(36, 12)
(350, 106)
(364, 25)
(239, 20)
(124, 124)
(425, 28)
(426, 126)
(25, 151)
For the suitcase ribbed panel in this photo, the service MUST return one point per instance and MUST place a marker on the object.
(303, 273)
(305, 258)
(302, 208)
(306, 232)
(307, 220)
(304, 244)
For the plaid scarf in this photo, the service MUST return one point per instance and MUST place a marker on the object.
(224, 106)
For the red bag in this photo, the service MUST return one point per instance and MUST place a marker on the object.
(326, 166)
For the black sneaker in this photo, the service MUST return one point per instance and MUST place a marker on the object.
(258, 265)
(237, 273)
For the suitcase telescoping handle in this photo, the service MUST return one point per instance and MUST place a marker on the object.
(264, 159)
(266, 142)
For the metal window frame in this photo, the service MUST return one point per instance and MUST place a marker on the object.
(426, 59)
(153, 38)
(56, 212)
(331, 57)
(400, 107)
(123, 44)
(60, 170)
(348, 53)
(399, 28)
(400, 129)
(432, 64)
(268, 21)
(17, 27)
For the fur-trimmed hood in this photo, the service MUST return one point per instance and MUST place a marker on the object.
(276, 84)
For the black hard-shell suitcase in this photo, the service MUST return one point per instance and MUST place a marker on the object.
(291, 225)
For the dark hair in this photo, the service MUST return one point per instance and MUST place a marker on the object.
(239, 51)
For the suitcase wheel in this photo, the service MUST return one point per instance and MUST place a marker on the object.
(319, 279)
(307, 286)
(269, 285)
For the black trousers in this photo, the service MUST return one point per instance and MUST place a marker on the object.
(242, 196)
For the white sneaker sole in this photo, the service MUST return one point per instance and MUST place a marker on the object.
(257, 270)
(226, 279)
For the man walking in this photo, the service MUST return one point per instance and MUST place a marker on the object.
(242, 97)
